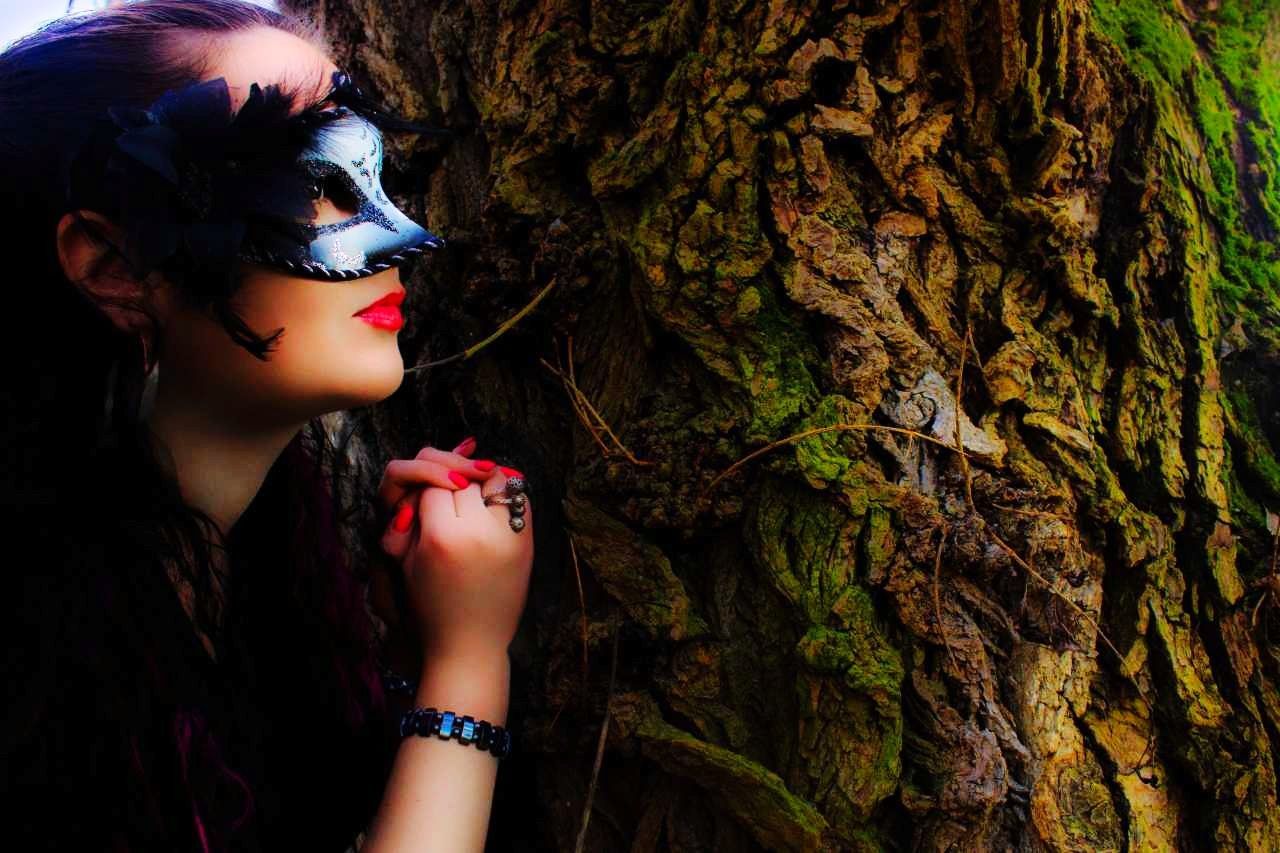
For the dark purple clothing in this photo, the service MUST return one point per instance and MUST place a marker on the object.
(100, 659)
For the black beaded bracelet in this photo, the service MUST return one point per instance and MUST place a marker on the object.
(447, 725)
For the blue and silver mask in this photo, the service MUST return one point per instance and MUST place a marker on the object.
(199, 188)
(344, 164)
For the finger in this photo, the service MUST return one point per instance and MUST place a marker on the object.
(497, 484)
(476, 469)
(471, 502)
(398, 535)
(468, 501)
(404, 475)
(435, 506)
(436, 514)
(466, 447)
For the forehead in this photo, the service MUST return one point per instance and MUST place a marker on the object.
(264, 56)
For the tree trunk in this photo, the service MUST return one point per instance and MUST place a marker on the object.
(1016, 259)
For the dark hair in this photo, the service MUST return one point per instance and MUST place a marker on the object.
(89, 494)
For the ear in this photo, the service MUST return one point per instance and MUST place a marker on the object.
(102, 274)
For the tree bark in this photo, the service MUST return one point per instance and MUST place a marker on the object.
(1016, 259)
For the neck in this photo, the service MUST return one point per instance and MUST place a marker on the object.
(220, 463)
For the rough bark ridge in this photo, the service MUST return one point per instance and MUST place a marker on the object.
(1038, 229)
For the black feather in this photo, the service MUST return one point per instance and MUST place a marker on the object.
(346, 93)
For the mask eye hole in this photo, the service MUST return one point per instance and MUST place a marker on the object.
(333, 197)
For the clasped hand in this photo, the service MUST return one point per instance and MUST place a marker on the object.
(466, 571)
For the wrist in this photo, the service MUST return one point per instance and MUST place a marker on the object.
(474, 684)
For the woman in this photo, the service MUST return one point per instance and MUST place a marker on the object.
(194, 200)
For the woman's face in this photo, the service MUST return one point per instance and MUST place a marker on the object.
(327, 358)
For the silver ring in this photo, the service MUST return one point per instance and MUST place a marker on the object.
(514, 499)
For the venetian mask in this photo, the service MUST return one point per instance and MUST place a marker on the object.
(344, 164)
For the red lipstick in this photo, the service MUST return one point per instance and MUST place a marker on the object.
(385, 313)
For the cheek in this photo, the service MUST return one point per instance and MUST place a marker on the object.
(309, 313)
(322, 346)
(324, 360)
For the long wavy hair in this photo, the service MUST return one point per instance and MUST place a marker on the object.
(84, 490)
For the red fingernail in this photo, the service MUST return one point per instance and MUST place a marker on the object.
(458, 480)
(485, 465)
(466, 445)
(511, 472)
(404, 519)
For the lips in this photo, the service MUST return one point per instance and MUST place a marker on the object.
(391, 300)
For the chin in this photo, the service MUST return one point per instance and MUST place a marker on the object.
(364, 383)
(380, 381)
(391, 383)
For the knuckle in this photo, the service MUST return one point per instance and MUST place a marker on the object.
(481, 540)
(433, 537)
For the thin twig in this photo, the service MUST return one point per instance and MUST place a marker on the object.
(579, 399)
(582, 603)
(501, 330)
(571, 384)
(573, 376)
(1275, 550)
(937, 598)
(551, 725)
(1083, 614)
(800, 436)
(973, 348)
(1269, 582)
(964, 459)
(1047, 584)
(1037, 513)
(604, 731)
